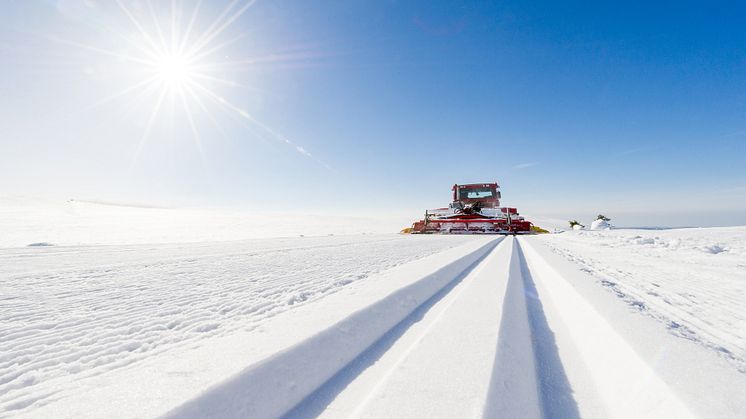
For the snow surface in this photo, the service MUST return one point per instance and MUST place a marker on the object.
(553, 349)
(548, 223)
(426, 354)
(692, 280)
(600, 225)
(606, 376)
(122, 311)
(30, 221)
(70, 313)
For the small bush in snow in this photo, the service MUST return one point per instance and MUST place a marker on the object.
(537, 229)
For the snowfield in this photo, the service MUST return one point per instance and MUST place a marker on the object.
(692, 280)
(70, 313)
(32, 221)
(122, 312)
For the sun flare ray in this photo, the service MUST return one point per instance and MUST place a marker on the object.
(120, 56)
(175, 19)
(139, 27)
(198, 100)
(218, 26)
(149, 126)
(188, 31)
(225, 25)
(126, 91)
(198, 55)
(158, 29)
(178, 64)
(192, 125)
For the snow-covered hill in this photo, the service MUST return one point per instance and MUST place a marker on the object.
(39, 221)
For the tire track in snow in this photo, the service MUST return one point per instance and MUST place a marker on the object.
(532, 348)
(608, 378)
(497, 333)
(351, 392)
(73, 313)
(671, 277)
(528, 378)
(273, 386)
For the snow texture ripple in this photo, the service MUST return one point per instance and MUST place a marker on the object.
(68, 313)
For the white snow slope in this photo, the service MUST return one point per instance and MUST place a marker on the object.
(616, 323)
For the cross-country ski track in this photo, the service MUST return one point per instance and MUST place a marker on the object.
(495, 327)
(506, 336)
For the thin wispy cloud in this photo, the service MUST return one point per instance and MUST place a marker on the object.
(732, 190)
(630, 151)
(637, 150)
(734, 134)
(525, 165)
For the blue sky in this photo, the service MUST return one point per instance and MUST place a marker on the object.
(633, 109)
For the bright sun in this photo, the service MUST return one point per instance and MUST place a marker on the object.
(180, 63)
(174, 69)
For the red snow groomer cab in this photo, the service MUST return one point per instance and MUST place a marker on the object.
(475, 209)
